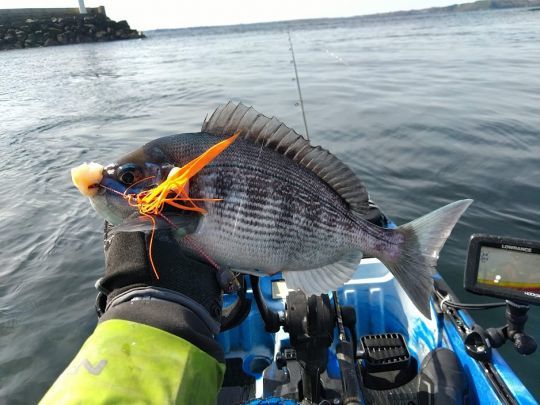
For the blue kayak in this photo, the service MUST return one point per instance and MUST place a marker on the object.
(400, 356)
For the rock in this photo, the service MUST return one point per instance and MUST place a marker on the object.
(70, 36)
(60, 30)
(83, 39)
(123, 25)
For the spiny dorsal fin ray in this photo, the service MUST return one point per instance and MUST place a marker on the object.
(272, 133)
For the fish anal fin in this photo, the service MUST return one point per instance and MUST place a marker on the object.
(323, 279)
(255, 127)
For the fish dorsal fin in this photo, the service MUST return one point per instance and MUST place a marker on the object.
(253, 126)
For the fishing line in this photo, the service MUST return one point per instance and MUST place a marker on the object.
(445, 301)
(138, 182)
(298, 85)
(321, 49)
(336, 57)
(297, 78)
(195, 246)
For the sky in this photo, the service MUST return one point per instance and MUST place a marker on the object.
(152, 14)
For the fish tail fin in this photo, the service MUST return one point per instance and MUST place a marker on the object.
(422, 240)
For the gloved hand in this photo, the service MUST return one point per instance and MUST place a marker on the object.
(186, 300)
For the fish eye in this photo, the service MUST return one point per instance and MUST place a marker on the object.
(129, 174)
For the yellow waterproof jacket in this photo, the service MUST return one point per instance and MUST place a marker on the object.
(125, 362)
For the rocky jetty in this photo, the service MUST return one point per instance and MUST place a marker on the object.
(21, 31)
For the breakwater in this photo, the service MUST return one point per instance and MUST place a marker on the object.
(28, 28)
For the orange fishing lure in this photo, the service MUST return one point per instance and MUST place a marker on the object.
(173, 191)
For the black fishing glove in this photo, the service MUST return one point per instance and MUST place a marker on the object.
(185, 301)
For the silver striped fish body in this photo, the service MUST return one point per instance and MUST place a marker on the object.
(274, 215)
(285, 206)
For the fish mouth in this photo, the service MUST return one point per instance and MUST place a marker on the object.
(87, 178)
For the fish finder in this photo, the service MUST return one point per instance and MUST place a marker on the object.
(501, 267)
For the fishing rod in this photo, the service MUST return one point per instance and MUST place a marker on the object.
(298, 84)
(345, 350)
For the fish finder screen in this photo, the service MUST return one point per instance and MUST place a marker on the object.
(510, 269)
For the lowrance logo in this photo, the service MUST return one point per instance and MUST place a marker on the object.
(519, 248)
(531, 294)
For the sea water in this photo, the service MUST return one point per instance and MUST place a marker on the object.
(425, 109)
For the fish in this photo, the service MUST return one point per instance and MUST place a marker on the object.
(270, 202)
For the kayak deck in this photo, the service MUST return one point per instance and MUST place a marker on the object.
(381, 307)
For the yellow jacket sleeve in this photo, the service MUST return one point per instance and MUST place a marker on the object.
(124, 362)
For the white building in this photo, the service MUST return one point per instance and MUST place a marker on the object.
(82, 8)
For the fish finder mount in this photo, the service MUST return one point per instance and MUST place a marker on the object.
(516, 317)
(505, 268)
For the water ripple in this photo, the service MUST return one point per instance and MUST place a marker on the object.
(426, 110)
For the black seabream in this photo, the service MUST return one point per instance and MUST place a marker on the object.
(284, 205)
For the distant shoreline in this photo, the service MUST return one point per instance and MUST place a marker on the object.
(455, 8)
(465, 7)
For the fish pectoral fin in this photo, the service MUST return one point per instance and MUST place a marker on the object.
(182, 223)
(323, 279)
